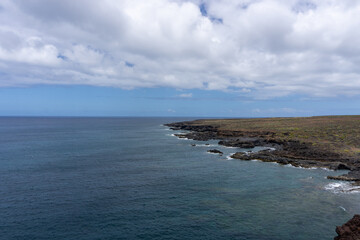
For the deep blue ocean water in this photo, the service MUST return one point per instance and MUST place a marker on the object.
(129, 178)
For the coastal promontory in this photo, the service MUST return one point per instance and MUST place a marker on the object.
(331, 142)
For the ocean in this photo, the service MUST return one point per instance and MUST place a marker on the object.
(130, 178)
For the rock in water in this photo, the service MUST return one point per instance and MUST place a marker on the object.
(215, 151)
(350, 230)
(350, 176)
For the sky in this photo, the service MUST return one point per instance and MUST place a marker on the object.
(205, 58)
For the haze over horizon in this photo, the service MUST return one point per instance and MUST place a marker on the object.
(204, 58)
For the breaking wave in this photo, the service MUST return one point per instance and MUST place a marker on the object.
(342, 187)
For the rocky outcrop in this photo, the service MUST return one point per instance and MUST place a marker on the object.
(187, 126)
(242, 143)
(198, 136)
(293, 152)
(350, 176)
(279, 157)
(350, 230)
(215, 151)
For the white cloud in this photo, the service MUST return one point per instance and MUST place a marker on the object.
(259, 48)
(30, 50)
(185, 95)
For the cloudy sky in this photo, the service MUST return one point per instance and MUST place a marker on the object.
(221, 58)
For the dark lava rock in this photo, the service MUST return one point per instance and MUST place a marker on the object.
(264, 155)
(198, 136)
(282, 158)
(194, 145)
(181, 135)
(294, 152)
(350, 230)
(199, 133)
(350, 176)
(186, 126)
(241, 143)
(215, 151)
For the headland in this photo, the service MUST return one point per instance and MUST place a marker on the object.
(331, 142)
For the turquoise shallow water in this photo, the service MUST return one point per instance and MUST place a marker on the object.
(129, 178)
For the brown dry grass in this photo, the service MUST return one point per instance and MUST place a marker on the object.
(334, 133)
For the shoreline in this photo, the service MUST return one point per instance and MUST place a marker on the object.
(283, 151)
(292, 152)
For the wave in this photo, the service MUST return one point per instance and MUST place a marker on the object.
(327, 169)
(292, 166)
(344, 209)
(310, 168)
(229, 146)
(228, 157)
(342, 187)
(181, 138)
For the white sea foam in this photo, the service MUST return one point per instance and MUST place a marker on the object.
(173, 135)
(291, 166)
(342, 187)
(327, 169)
(228, 157)
(311, 168)
(212, 153)
(342, 208)
(228, 146)
(183, 138)
(275, 163)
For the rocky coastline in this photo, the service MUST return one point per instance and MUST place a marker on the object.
(293, 152)
(350, 230)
